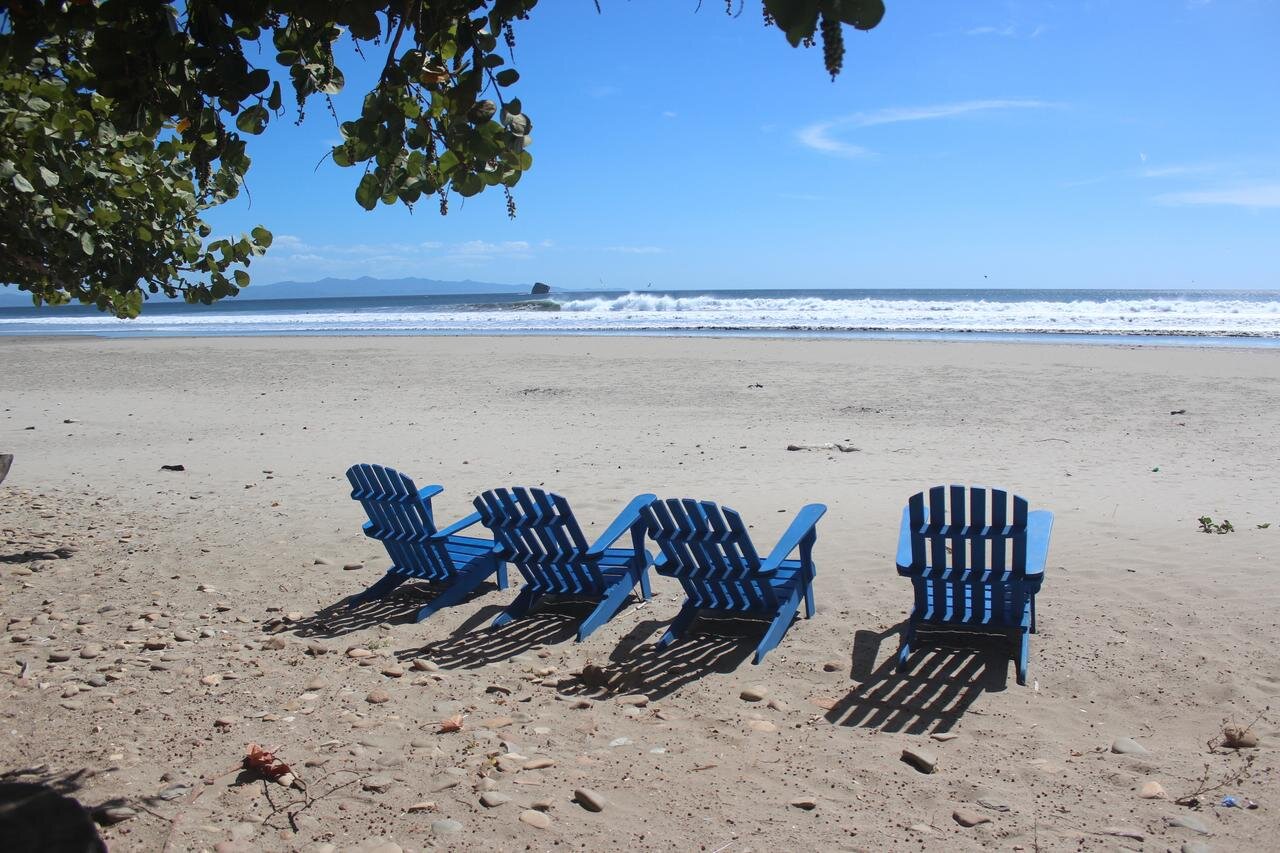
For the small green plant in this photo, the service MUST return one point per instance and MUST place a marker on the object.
(1208, 525)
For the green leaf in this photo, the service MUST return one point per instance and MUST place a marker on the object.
(862, 14)
(253, 120)
(507, 77)
(262, 236)
(23, 184)
(50, 178)
(86, 242)
(242, 278)
(368, 191)
(273, 100)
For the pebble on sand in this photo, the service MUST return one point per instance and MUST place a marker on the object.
(445, 826)
(589, 799)
(964, 817)
(1127, 746)
(1239, 737)
(1190, 822)
(424, 806)
(1152, 791)
(754, 693)
(351, 567)
(921, 759)
(536, 818)
(377, 696)
(91, 651)
(493, 799)
(806, 803)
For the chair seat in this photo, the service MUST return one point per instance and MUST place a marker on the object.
(462, 550)
(613, 564)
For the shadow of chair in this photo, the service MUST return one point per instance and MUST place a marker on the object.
(945, 680)
(399, 608)
(38, 813)
(637, 667)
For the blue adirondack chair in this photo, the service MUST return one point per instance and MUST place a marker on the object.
(400, 518)
(537, 531)
(707, 548)
(973, 565)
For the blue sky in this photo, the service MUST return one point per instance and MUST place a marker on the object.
(1132, 143)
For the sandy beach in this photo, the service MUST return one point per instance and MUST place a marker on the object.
(190, 613)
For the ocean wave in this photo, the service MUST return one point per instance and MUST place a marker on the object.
(652, 312)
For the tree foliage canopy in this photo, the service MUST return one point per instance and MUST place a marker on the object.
(121, 122)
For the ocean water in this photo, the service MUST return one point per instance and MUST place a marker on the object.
(1233, 318)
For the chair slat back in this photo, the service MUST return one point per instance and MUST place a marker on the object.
(707, 548)
(538, 532)
(401, 520)
(974, 533)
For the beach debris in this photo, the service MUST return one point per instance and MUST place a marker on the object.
(264, 762)
(843, 447)
(993, 804)
(964, 817)
(1239, 737)
(1128, 746)
(589, 799)
(173, 467)
(921, 759)
(1178, 412)
(450, 724)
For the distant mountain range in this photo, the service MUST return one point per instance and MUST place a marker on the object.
(332, 287)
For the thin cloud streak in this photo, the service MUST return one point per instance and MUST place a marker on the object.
(1257, 196)
(818, 135)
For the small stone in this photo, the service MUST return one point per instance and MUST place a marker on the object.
(91, 651)
(1190, 822)
(778, 705)
(317, 683)
(493, 799)
(320, 561)
(424, 806)
(964, 817)
(97, 680)
(316, 649)
(620, 741)
(444, 783)
(762, 726)
(211, 680)
(108, 815)
(832, 666)
(59, 657)
(275, 644)
(1238, 737)
(755, 693)
(378, 784)
(70, 690)
(377, 696)
(184, 636)
(445, 826)
(351, 567)
(359, 653)
(1127, 746)
(294, 616)
(539, 762)
(1124, 832)
(943, 737)
(421, 665)
(993, 804)
(1153, 791)
(536, 818)
(806, 803)
(495, 723)
(392, 671)
(155, 644)
(589, 799)
(921, 759)
(224, 722)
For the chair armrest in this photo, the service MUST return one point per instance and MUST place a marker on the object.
(426, 493)
(367, 527)
(458, 525)
(1039, 526)
(904, 543)
(624, 522)
(801, 526)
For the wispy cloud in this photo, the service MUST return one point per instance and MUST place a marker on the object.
(294, 257)
(635, 250)
(1008, 32)
(1178, 170)
(820, 135)
(1255, 196)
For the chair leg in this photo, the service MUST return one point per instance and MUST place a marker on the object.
(809, 608)
(518, 608)
(1033, 614)
(380, 589)
(781, 622)
(502, 574)
(1024, 652)
(465, 584)
(904, 649)
(645, 591)
(679, 625)
(607, 607)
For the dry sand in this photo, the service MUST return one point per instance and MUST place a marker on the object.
(1150, 629)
